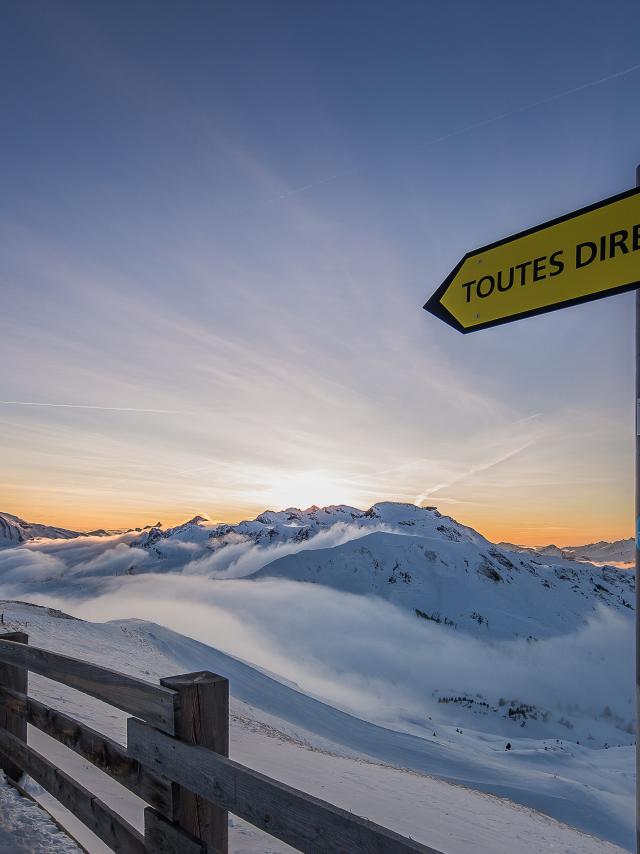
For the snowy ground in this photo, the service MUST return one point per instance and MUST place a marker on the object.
(369, 769)
(27, 829)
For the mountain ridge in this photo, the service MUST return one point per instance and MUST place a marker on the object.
(617, 552)
(15, 530)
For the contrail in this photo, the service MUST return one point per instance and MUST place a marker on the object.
(467, 129)
(294, 192)
(549, 99)
(477, 469)
(87, 406)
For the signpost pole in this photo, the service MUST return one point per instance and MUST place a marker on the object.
(637, 537)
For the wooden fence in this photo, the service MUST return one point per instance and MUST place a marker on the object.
(176, 760)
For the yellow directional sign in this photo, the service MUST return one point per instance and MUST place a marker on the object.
(585, 255)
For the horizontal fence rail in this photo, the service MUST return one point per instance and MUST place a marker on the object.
(103, 752)
(152, 703)
(176, 760)
(107, 825)
(300, 820)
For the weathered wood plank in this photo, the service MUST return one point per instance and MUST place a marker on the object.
(152, 703)
(103, 752)
(202, 718)
(299, 819)
(107, 825)
(12, 702)
(14, 678)
(162, 836)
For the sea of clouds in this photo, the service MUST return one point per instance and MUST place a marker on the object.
(359, 653)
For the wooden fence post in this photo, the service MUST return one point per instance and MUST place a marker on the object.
(15, 679)
(202, 718)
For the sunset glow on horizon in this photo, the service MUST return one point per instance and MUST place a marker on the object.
(577, 526)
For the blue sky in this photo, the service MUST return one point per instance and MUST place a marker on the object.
(233, 213)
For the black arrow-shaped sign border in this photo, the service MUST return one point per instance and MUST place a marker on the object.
(435, 307)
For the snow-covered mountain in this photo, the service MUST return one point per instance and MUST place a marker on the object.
(415, 557)
(294, 525)
(463, 584)
(618, 553)
(274, 533)
(14, 531)
(436, 569)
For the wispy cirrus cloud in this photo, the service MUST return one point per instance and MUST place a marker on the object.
(88, 406)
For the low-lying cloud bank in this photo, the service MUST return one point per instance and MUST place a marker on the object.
(358, 652)
(93, 558)
(243, 558)
(376, 660)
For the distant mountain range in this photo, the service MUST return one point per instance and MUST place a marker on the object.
(414, 557)
(620, 552)
(14, 531)
(299, 525)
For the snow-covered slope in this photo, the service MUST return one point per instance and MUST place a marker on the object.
(462, 585)
(621, 551)
(372, 770)
(26, 829)
(618, 553)
(221, 549)
(14, 531)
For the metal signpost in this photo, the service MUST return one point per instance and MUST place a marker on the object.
(637, 535)
(585, 255)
